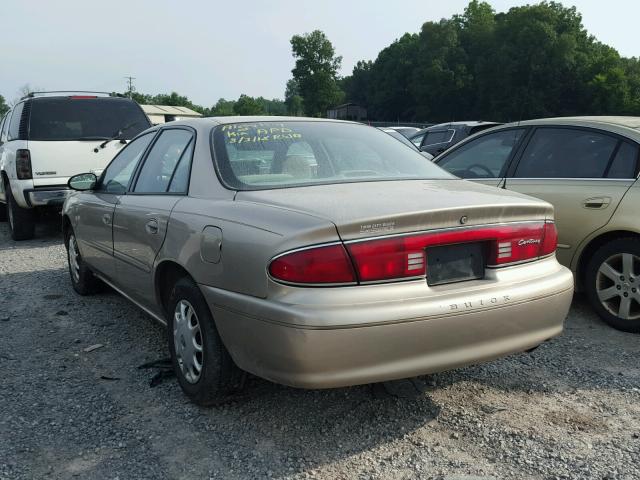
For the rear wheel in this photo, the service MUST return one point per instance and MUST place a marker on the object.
(21, 220)
(201, 362)
(82, 278)
(613, 283)
(3, 212)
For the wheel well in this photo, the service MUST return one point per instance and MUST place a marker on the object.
(594, 245)
(167, 274)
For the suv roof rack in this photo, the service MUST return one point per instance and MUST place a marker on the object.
(57, 92)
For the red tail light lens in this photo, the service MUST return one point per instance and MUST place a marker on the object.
(23, 164)
(405, 256)
(549, 239)
(321, 265)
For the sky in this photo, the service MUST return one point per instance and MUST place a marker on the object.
(212, 49)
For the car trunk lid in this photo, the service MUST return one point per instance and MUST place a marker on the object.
(370, 209)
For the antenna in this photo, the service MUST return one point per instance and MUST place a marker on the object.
(131, 88)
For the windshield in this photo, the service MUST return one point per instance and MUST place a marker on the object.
(252, 156)
(85, 118)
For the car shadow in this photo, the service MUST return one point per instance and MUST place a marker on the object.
(268, 428)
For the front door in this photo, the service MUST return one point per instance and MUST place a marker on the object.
(96, 208)
(483, 159)
(583, 173)
(142, 216)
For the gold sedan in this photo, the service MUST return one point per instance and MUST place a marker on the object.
(587, 167)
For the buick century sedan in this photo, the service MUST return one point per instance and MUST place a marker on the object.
(313, 253)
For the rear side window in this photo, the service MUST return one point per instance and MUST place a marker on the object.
(566, 153)
(483, 157)
(625, 163)
(69, 118)
(437, 136)
(168, 159)
(14, 124)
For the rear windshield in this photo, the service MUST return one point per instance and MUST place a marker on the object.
(253, 156)
(85, 119)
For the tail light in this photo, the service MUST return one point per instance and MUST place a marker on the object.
(23, 164)
(405, 256)
(320, 265)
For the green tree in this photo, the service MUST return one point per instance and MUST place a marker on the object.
(316, 72)
(4, 108)
(247, 105)
(292, 99)
(222, 108)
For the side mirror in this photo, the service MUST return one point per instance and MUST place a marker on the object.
(82, 181)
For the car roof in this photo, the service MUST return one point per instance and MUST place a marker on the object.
(471, 123)
(203, 122)
(627, 126)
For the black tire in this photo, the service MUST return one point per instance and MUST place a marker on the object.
(22, 221)
(83, 281)
(625, 286)
(219, 376)
(3, 212)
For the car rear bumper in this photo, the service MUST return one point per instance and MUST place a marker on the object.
(325, 344)
(53, 196)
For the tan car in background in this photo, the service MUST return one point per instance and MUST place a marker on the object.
(587, 167)
(313, 253)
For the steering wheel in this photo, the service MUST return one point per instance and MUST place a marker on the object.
(481, 167)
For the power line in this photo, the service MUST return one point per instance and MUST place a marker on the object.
(130, 80)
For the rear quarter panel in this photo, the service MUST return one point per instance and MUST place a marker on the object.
(252, 234)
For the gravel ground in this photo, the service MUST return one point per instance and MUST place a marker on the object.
(570, 409)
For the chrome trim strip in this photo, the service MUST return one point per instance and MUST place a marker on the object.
(446, 229)
(158, 319)
(513, 179)
(302, 249)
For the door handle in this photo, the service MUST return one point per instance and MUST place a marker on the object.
(106, 219)
(152, 226)
(596, 203)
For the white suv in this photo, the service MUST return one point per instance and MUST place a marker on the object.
(47, 138)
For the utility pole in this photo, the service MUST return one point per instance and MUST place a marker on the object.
(130, 80)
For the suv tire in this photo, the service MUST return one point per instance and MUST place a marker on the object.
(612, 283)
(83, 280)
(205, 370)
(21, 220)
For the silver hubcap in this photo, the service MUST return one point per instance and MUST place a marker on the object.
(187, 339)
(74, 259)
(617, 285)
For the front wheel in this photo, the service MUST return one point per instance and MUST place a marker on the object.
(612, 283)
(201, 362)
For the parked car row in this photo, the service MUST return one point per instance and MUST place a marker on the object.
(319, 253)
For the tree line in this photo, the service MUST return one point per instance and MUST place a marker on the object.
(531, 61)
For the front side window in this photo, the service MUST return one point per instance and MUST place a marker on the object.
(14, 124)
(169, 159)
(263, 155)
(483, 157)
(69, 118)
(117, 176)
(566, 153)
(2, 122)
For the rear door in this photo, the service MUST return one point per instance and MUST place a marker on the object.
(583, 172)
(141, 217)
(70, 135)
(484, 159)
(94, 215)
